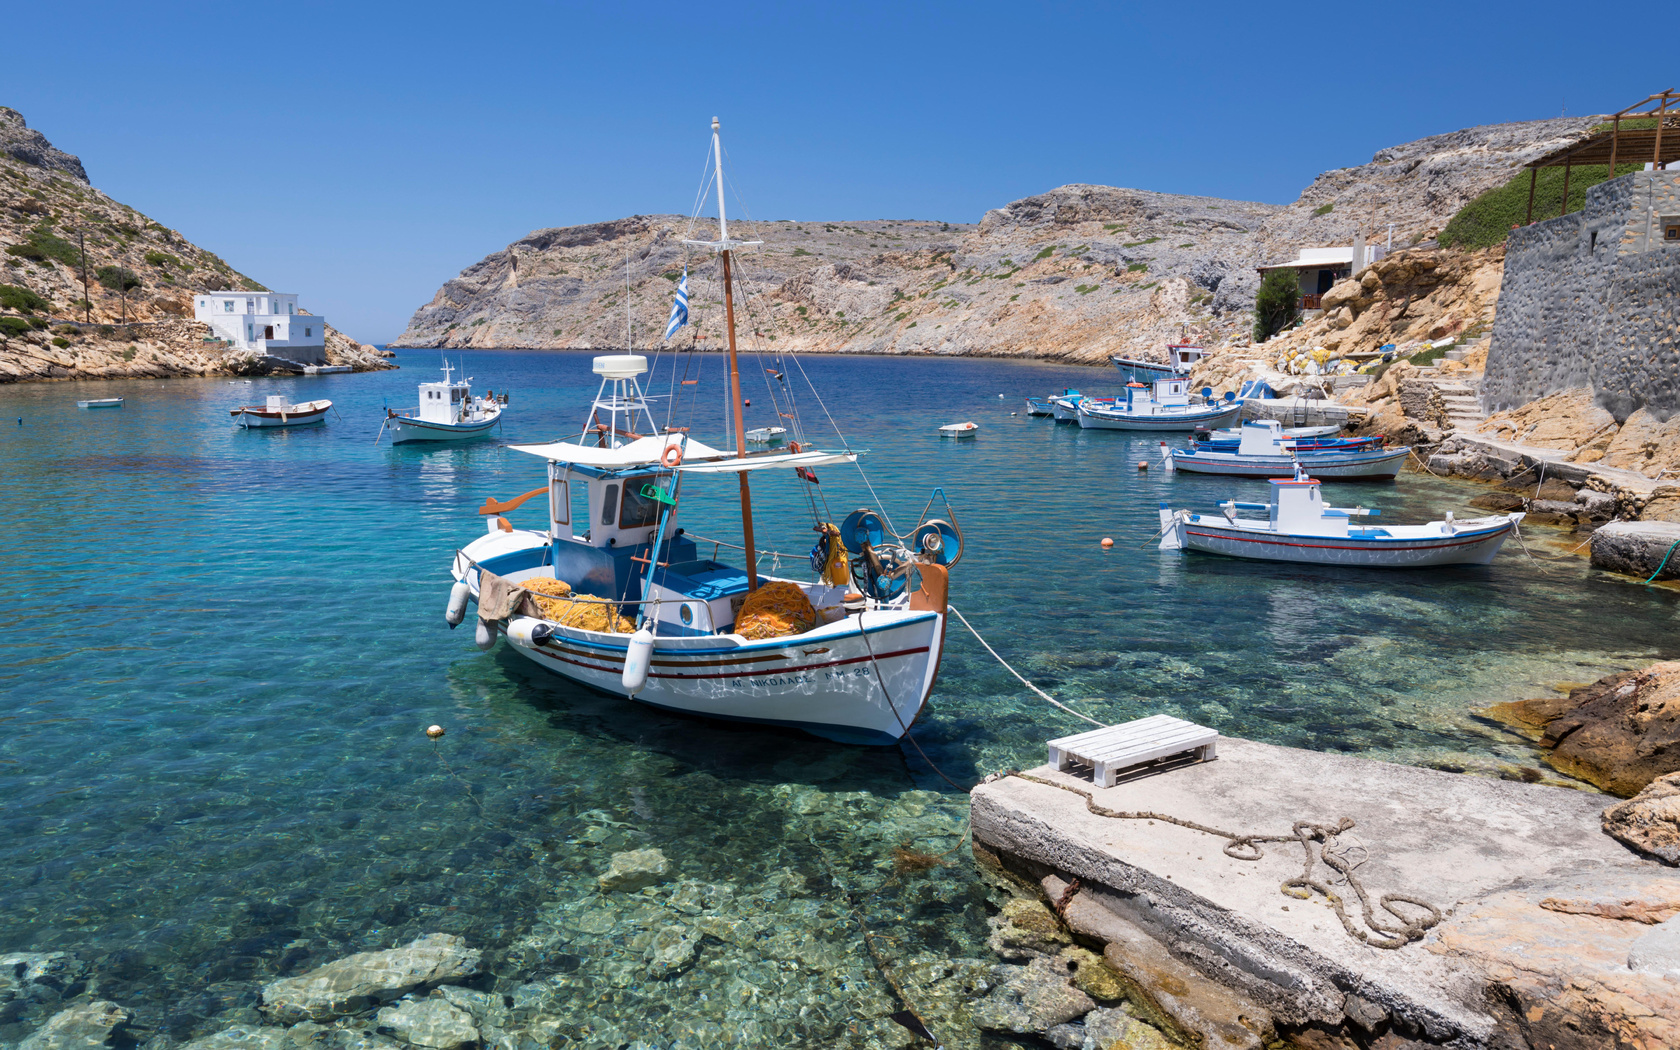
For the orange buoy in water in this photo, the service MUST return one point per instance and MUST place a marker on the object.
(1143, 464)
(434, 731)
(1107, 542)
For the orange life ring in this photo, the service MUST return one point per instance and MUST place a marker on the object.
(673, 455)
(793, 446)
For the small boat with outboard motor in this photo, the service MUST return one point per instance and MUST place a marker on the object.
(101, 402)
(1064, 407)
(1264, 452)
(1297, 526)
(1164, 404)
(621, 599)
(1235, 433)
(448, 411)
(766, 435)
(279, 411)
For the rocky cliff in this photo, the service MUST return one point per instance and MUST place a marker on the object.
(140, 277)
(1078, 273)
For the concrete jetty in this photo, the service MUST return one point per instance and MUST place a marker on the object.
(1533, 948)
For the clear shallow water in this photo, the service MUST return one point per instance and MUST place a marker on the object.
(220, 648)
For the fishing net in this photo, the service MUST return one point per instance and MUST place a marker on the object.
(775, 610)
(554, 602)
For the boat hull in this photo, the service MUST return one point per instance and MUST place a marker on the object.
(106, 402)
(1469, 546)
(257, 418)
(1363, 466)
(1106, 420)
(1065, 412)
(1037, 406)
(408, 429)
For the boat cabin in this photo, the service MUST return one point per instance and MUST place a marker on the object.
(1261, 437)
(444, 402)
(1298, 508)
(1163, 393)
(1183, 356)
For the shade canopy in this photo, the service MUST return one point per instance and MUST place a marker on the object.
(698, 457)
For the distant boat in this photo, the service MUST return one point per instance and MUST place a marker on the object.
(101, 402)
(1065, 405)
(448, 412)
(1039, 406)
(280, 412)
(1181, 358)
(1163, 405)
(322, 370)
(1265, 453)
(1298, 527)
(766, 435)
(958, 430)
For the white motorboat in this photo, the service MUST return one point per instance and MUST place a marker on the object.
(1264, 452)
(280, 412)
(1162, 405)
(626, 603)
(959, 430)
(1296, 526)
(448, 412)
(766, 435)
(101, 402)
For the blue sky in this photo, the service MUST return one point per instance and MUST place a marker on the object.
(361, 154)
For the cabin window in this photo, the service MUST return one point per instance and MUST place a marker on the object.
(639, 511)
(609, 505)
(454, 395)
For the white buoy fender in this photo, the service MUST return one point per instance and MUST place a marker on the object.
(485, 636)
(457, 610)
(637, 661)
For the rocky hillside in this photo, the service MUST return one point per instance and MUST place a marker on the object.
(1078, 273)
(140, 278)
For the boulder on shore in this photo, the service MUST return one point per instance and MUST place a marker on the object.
(1637, 548)
(1619, 733)
(1650, 820)
(359, 981)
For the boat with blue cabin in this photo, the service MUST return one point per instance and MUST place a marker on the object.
(1297, 526)
(1164, 404)
(1264, 452)
(448, 411)
(1181, 358)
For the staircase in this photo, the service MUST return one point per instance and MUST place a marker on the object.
(1459, 403)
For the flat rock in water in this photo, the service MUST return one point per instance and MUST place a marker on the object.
(85, 1026)
(1650, 820)
(1637, 548)
(1030, 998)
(1116, 1029)
(672, 951)
(431, 1023)
(632, 870)
(242, 1037)
(354, 983)
(1621, 732)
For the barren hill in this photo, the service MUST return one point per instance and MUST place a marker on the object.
(1077, 273)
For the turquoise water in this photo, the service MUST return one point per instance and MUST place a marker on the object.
(221, 647)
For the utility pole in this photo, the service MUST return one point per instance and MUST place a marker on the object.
(87, 303)
(122, 287)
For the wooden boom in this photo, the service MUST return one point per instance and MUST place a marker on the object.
(492, 507)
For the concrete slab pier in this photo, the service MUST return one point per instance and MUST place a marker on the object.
(1509, 966)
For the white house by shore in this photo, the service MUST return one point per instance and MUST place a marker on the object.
(269, 322)
(1319, 268)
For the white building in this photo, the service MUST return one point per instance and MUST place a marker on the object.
(269, 322)
(1319, 268)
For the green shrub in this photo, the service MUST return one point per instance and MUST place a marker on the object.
(1137, 268)
(128, 355)
(38, 322)
(22, 300)
(1488, 219)
(161, 260)
(1428, 356)
(1046, 253)
(1277, 303)
(42, 246)
(13, 325)
(1323, 209)
(106, 331)
(801, 251)
(60, 342)
(1139, 244)
(1085, 289)
(117, 278)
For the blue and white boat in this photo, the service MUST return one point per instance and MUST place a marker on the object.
(1181, 358)
(1065, 405)
(448, 411)
(1163, 405)
(1264, 452)
(856, 648)
(1296, 526)
(1039, 406)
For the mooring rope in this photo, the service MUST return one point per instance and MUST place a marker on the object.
(1042, 694)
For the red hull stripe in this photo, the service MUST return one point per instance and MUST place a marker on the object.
(741, 674)
(1432, 546)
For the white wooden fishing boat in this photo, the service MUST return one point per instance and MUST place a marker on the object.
(280, 412)
(1162, 405)
(1235, 433)
(858, 669)
(766, 435)
(1039, 406)
(1181, 358)
(959, 430)
(1264, 452)
(448, 411)
(1065, 407)
(101, 402)
(1296, 526)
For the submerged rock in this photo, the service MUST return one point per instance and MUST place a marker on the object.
(633, 870)
(249, 1037)
(1650, 821)
(430, 1022)
(672, 951)
(85, 1026)
(354, 983)
(1118, 1030)
(1030, 998)
(1025, 929)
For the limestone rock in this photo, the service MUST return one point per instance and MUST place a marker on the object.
(1569, 421)
(1030, 998)
(1658, 952)
(1026, 928)
(354, 983)
(429, 1022)
(632, 870)
(1637, 548)
(244, 1037)
(1650, 820)
(1115, 1029)
(32, 147)
(672, 951)
(85, 1026)
(1646, 444)
(1093, 976)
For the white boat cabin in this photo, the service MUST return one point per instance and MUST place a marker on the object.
(1261, 437)
(1162, 393)
(445, 402)
(1182, 357)
(1298, 509)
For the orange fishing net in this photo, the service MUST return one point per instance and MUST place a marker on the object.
(553, 600)
(775, 610)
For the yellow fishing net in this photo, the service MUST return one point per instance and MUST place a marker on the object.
(775, 610)
(553, 600)
(837, 571)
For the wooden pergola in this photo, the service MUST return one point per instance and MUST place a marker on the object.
(1660, 142)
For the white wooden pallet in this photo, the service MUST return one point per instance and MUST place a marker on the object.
(1114, 748)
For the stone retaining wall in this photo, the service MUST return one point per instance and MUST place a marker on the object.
(1592, 298)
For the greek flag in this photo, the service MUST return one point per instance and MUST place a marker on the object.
(679, 308)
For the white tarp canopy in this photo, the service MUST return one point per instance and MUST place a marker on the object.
(698, 457)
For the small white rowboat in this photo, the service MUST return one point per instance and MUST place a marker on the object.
(958, 430)
(279, 412)
(101, 402)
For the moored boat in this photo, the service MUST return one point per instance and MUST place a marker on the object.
(1162, 405)
(766, 435)
(101, 402)
(1039, 406)
(279, 411)
(1298, 527)
(1265, 453)
(959, 430)
(448, 411)
(1181, 358)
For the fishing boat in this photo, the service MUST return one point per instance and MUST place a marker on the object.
(1235, 433)
(1065, 406)
(448, 411)
(959, 430)
(1265, 453)
(1181, 358)
(101, 402)
(1296, 526)
(280, 412)
(627, 603)
(1162, 405)
(1039, 406)
(766, 435)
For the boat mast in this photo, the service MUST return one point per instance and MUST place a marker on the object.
(734, 367)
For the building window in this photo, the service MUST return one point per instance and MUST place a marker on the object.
(227, 306)
(1671, 229)
(250, 332)
(291, 308)
(308, 332)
